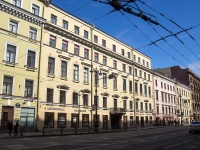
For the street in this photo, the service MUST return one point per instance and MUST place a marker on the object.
(173, 137)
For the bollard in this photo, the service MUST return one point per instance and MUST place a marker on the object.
(43, 131)
(21, 132)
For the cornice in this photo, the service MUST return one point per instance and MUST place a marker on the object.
(21, 13)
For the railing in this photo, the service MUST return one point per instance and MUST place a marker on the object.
(117, 110)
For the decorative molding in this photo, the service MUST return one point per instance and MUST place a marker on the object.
(105, 94)
(63, 87)
(64, 57)
(115, 96)
(86, 64)
(125, 97)
(86, 91)
(104, 70)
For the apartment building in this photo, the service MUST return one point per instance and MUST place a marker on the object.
(165, 99)
(21, 23)
(184, 104)
(75, 88)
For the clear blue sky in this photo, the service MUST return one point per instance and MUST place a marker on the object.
(185, 13)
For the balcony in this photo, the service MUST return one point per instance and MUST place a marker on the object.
(117, 110)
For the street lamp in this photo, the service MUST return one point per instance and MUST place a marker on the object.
(181, 109)
(97, 73)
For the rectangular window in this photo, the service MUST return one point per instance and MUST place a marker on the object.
(76, 30)
(146, 107)
(141, 105)
(95, 39)
(145, 90)
(33, 34)
(134, 57)
(53, 19)
(140, 89)
(157, 108)
(85, 99)
(149, 91)
(28, 88)
(64, 45)
(75, 98)
(145, 75)
(150, 109)
(136, 105)
(103, 43)
(76, 50)
(96, 57)
(52, 41)
(31, 59)
(7, 85)
(129, 55)
(51, 65)
(114, 48)
(124, 104)
(50, 95)
(35, 9)
(104, 80)
(104, 102)
(130, 86)
(65, 25)
(124, 84)
(86, 75)
(136, 87)
(149, 77)
(122, 51)
(17, 3)
(76, 72)
(114, 64)
(63, 69)
(115, 83)
(85, 34)
(131, 104)
(123, 67)
(143, 62)
(136, 72)
(140, 74)
(104, 60)
(147, 64)
(11, 53)
(13, 26)
(86, 53)
(130, 69)
(62, 97)
(156, 95)
(139, 60)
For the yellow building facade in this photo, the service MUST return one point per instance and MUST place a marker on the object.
(77, 60)
(20, 29)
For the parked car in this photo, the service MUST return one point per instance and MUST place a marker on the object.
(194, 126)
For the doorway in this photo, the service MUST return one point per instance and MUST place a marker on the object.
(115, 121)
(142, 121)
(7, 115)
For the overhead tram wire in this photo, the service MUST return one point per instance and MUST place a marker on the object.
(152, 42)
(169, 36)
(172, 46)
(171, 22)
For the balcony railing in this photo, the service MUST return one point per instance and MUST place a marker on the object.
(118, 110)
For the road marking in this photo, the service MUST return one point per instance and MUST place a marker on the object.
(178, 144)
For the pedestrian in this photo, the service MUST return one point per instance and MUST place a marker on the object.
(10, 127)
(16, 128)
(178, 122)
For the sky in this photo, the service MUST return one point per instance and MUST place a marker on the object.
(182, 50)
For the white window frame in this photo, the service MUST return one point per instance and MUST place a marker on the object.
(48, 66)
(35, 57)
(61, 69)
(36, 35)
(32, 9)
(16, 55)
(11, 20)
(12, 84)
(16, 5)
(33, 86)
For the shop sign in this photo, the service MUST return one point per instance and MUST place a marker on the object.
(17, 105)
(76, 110)
(53, 108)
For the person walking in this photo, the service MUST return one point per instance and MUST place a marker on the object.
(16, 128)
(10, 127)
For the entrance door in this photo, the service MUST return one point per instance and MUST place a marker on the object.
(115, 120)
(142, 121)
(7, 115)
(125, 121)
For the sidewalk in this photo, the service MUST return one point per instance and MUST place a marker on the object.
(64, 132)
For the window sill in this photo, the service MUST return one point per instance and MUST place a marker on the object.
(105, 108)
(32, 40)
(62, 105)
(75, 106)
(51, 75)
(115, 89)
(63, 78)
(11, 64)
(124, 91)
(105, 87)
(28, 68)
(86, 83)
(75, 81)
(50, 103)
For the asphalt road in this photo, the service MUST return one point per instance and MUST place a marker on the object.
(152, 139)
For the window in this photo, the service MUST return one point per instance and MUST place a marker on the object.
(104, 60)
(76, 30)
(156, 82)
(52, 41)
(76, 50)
(85, 34)
(136, 105)
(140, 89)
(96, 57)
(64, 45)
(95, 39)
(86, 53)
(65, 25)
(130, 86)
(53, 19)
(86, 75)
(33, 34)
(31, 59)
(147, 64)
(141, 105)
(104, 43)
(157, 108)
(134, 57)
(115, 103)
(146, 107)
(76, 72)
(136, 72)
(161, 85)
(139, 60)
(145, 90)
(10, 53)
(163, 111)
(143, 62)
(115, 83)
(122, 51)
(104, 102)
(63, 69)
(28, 88)
(114, 64)
(114, 48)
(124, 104)
(75, 98)
(7, 85)
(124, 84)
(131, 104)
(51, 65)
(130, 69)
(136, 87)
(17, 3)
(145, 75)
(149, 77)
(104, 80)
(129, 55)
(35, 9)
(123, 67)
(140, 74)
(62, 97)
(50, 95)
(85, 100)
(150, 109)
(13, 26)
(157, 95)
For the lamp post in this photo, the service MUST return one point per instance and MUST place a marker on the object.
(181, 109)
(97, 73)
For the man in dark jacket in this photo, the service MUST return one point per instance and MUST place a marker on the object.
(10, 127)
(16, 127)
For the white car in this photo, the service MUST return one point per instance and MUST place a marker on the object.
(194, 126)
